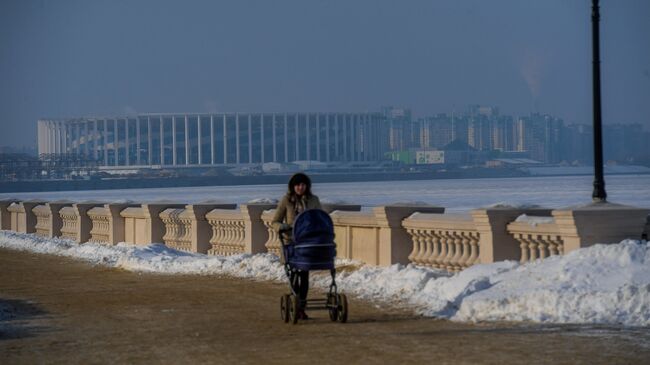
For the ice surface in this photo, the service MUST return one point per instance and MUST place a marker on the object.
(454, 195)
(602, 284)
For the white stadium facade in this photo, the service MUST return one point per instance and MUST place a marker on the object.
(198, 140)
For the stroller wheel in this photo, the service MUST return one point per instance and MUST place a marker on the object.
(293, 309)
(342, 309)
(284, 308)
(332, 307)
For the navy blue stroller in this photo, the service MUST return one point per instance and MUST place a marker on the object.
(312, 248)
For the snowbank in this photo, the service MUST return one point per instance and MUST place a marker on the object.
(604, 284)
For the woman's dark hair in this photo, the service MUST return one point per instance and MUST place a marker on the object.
(299, 178)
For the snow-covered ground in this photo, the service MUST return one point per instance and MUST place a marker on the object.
(603, 284)
(454, 195)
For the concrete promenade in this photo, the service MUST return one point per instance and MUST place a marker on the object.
(56, 310)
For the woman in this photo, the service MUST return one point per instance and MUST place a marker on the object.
(298, 199)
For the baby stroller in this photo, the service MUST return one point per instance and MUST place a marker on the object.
(312, 248)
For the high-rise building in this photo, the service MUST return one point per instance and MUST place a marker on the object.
(402, 132)
(540, 135)
(436, 131)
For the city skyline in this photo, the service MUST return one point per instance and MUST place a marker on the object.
(91, 58)
(211, 139)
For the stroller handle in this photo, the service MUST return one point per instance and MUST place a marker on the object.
(281, 233)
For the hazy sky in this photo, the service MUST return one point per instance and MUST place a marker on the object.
(66, 58)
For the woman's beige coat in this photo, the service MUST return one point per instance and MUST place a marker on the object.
(286, 211)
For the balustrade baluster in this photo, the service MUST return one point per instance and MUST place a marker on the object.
(523, 245)
(428, 249)
(542, 246)
(414, 240)
(462, 262)
(532, 247)
(458, 251)
(443, 250)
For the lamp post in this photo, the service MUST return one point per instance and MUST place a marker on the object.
(599, 194)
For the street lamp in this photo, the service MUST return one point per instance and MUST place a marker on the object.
(599, 194)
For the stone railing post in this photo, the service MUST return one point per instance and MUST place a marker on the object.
(154, 229)
(23, 219)
(107, 223)
(5, 215)
(599, 223)
(142, 224)
(55, 219)
(495, 242)
(394, 242)
(329, 208)
(256, 232)
(273, 243)
(84, 224)
(116, 222)
(200, 230)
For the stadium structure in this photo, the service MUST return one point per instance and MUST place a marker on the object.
(169, 140)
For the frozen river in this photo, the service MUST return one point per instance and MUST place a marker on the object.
(455, 195)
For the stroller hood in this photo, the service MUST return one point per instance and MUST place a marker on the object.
(313, 226)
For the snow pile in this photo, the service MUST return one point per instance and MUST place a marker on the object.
(604, 284)
(154, 258)
(533, 220)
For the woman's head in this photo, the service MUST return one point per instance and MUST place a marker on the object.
(300, 185)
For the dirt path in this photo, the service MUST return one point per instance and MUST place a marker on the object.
(56, 310)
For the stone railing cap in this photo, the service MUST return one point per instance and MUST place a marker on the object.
(90, 202)
(61, 201)
(132, 212)
(98, 210)
(439, 217)
(228, 213)
(210, 202)
(33, 201)
(411, 205)
(594, 206)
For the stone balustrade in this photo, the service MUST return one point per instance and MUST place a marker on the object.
(187, 229)
(537, 240)
(5, 215)
(177, 229)
(23, 219)
(228, 232)
(76, 222)
(69, 226)
(107, 223)
(443, 241)
(48, 219)
(272, 244)
(376, 237)
(600, 222)
(382, 235)
(43, 220)
(142, 224)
